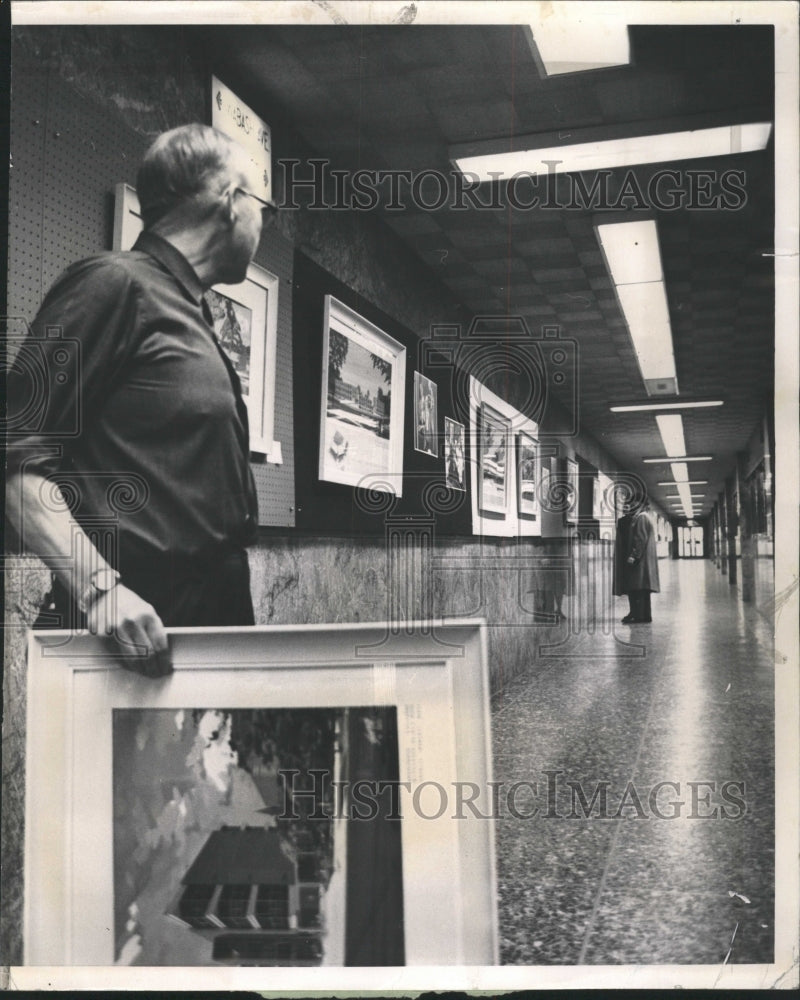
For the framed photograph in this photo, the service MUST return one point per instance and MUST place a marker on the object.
(245, 321)
(276, 801)
(571, 506)
(493, 440)
(527, 476)
(425, 416)
(363, 389)
(454, 461)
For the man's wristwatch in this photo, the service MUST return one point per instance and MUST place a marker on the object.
(100, 582)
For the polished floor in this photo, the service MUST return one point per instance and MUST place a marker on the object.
(674, 873)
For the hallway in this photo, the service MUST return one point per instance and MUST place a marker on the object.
(640, 879)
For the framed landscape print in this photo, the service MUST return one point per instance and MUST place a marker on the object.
(363, 388)
(454, 461)
(245, 320)
(527, 476)
(425, 416)
(275, 802)
(493, 437)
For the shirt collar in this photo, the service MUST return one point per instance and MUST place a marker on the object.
(173, 260)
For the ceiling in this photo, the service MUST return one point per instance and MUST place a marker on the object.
(400, 97)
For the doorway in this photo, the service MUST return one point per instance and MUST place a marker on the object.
(690, 542)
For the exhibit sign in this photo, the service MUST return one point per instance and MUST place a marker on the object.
(233, 117)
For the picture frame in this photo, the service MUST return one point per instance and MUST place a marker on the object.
(426, 438)
(454, 455)
(493, 453)
(527, 456)
(87, 716)
(362, 404)
(246, 324)
(571, 509)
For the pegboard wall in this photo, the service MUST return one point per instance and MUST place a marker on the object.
(68, 153)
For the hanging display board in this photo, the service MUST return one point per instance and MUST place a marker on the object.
(241, 123)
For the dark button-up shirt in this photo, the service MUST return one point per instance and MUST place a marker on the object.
(141, 417)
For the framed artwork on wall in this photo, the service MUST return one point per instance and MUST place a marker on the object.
(527, 476)
(136, 827)
(425, 415)
(245, 321)
(493, 437)
(571, 506)
(361, 413)
(454, 461)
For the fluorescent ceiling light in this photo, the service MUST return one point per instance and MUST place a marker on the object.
(631, 250)
(683, 458)
(686, 499)
(611, 153)
(680, 472)
(579, 45)
(634, 263)
(671, 429)
(687, 405)
(689, 482)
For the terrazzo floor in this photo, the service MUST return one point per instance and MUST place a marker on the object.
(673, 873)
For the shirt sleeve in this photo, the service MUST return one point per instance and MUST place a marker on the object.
(67, 363)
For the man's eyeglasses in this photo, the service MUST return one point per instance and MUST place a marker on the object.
(268, 211)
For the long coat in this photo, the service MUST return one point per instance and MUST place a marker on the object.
(642, 574)
(621, 551)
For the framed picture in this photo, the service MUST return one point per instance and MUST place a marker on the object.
(276, 801)
(493, 437)
(425, 416)
(454, 461)
(571, 506)
(363, 389)
(246, 324)
(527, 476)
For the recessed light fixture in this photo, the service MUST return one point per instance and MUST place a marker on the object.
(666, 459)
(688, 404)
(680, 471)
(671, 429)
(578, 45)
(633, 258)
(537, 155)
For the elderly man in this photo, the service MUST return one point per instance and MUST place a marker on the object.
(640, 573)
(159, 414)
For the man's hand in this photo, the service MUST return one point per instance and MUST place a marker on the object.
(137, 629)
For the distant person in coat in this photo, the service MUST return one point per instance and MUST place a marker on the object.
(621, 552)
(641, 564)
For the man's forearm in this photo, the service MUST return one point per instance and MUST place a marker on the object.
(46, 527)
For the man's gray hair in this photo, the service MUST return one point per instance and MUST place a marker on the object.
(177, 166)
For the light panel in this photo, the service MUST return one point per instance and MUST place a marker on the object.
(688, 404)
(577, 46)
(608, 154)
(631, 251)
(670, 427)
(684, 458)
(680, 472)
(634, 263)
